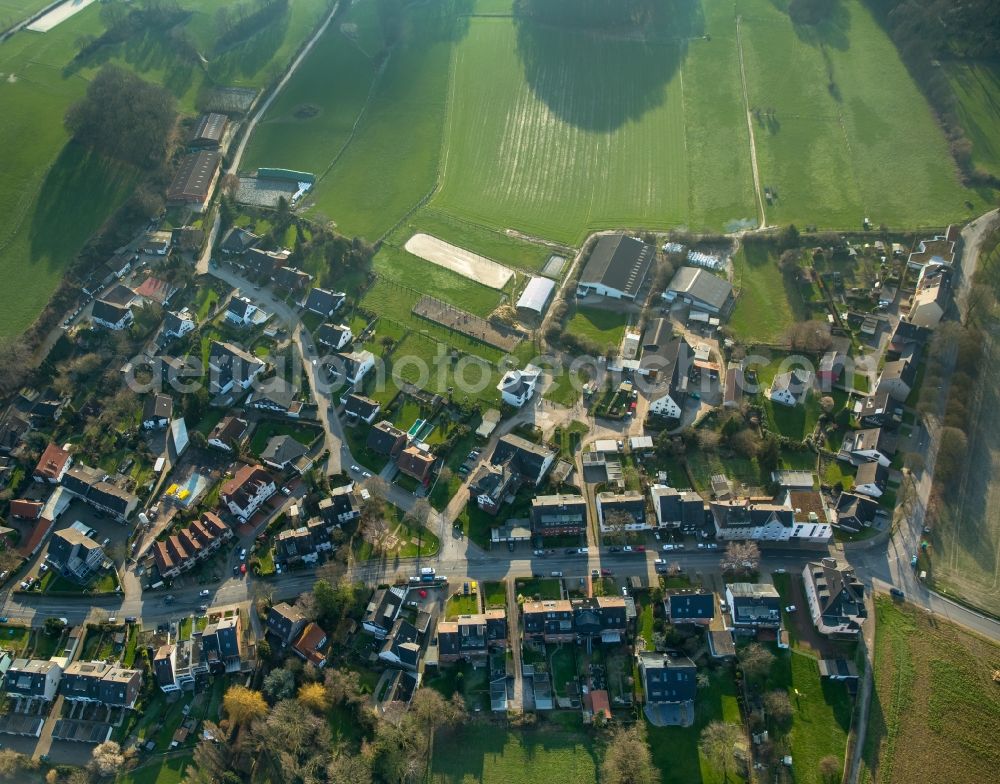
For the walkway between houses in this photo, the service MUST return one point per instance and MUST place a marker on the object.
(513, 626)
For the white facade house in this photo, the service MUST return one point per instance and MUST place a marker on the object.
(518, 386)
(247, 491)
(240, 312)
(666, 407)
(178, 324)
(789, 389)
(354, 366)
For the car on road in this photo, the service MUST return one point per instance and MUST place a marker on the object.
(606, 572)
(790, 608)
(668, 547)
(243, 568)
(236, 569)
(286, 491)
(582, 550)
(204, 592)
(913, 562)
(355, 469)
(557, 574)
(538, 553)
(203, 607)
(243, 554)
(627, 548)
(366, 474)
(896, 593)
(712, 546)
(780, 571)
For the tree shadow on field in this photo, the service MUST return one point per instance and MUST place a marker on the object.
(822, 23)
(79, 193)
(596, 75)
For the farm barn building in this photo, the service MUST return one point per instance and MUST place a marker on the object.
(618, 267)
(535, 297)
(195, 179)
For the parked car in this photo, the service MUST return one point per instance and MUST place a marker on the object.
(582, 550)
(896, 593)
(204, 592)
(627, 548)
(539, 553)
(557, 574)
(790, 608)
(286, 491)
(668, 547)
(243, 554)
(606, 572)
(614, 549)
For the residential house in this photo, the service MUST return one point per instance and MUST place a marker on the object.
(790, 388)
(190, 545)
(187, 239)
(836, 599)
(240, 312)
(157, 411)
(670, 685)
(340, 506)
(754, 606)
(291, 279)
(33, 678)
(625, 511)
(53, 465)
(247, 491)
(222, 645)
(229, 432)
(74, 555)
(238, 241)
(277, 396)
(838, 669)
(855, 512)
(679, 508)
(879, 410)
(353, 366)
(93, 487)
(472, 636)
(932, 297)
(603, 618)
(386, 439)
(310, 645)
(231, 368)
(359, 408)
(871, 479)
(111, 316)
(558, 515)
(324, 302)
(336, 337)
(518, 386)
(870, 444)
(296, 546)
(416, 463)
(529, 461)
(23, 509)
(743, 519)
(491, 485)
(382, 610)
(549, 620)
(703, 291)
(178, 324)
(617, 267)
(283, 451)
(285, 622)
(179, 665)
(265, 264)
(402, 646)
(897, 378)
(693, 607)
(940, 249)
(100, 682)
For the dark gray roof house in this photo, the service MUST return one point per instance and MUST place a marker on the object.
(324, 302)
(670, 685)
(382, 610)
(617, 267)
(291, 279)
(528, 460)
(691, 607)
(855, 512)
(109, 315)
(386, 439)
(359, 407)
(281, 451)
(836, 598)
(701, 289)
(754, 605)
(208, 131)
(340, 506)
(402, 646)
(285, 622)
(332, 335)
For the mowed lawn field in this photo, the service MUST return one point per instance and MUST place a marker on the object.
(12, 11)
(934, 706)
(491, 755)
(767, 303)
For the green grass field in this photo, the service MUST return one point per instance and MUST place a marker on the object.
(768, 303)
(15, 10)
(604, 328)
(933, 700)
(496, 756)
(164, 771)
(977, 92)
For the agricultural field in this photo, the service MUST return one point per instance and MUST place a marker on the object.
(977, 94)
(826, 137)
(965, 557)
(933, 698)
(495, 756)
(53, 195)
(12, 11)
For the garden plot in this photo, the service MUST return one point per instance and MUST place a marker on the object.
(466, 263)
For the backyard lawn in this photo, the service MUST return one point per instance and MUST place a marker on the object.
(462, 605)
(543, 588)
(604, 328)
(269, 428)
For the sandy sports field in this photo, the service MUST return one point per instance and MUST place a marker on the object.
(58, 14)
(470, 265)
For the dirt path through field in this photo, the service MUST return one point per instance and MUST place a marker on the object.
(753, 143)
(464, 262)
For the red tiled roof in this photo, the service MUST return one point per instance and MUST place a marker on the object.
(25, 509)
(600, 703)
(42, 527)
(307, 644)
(52, 462)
